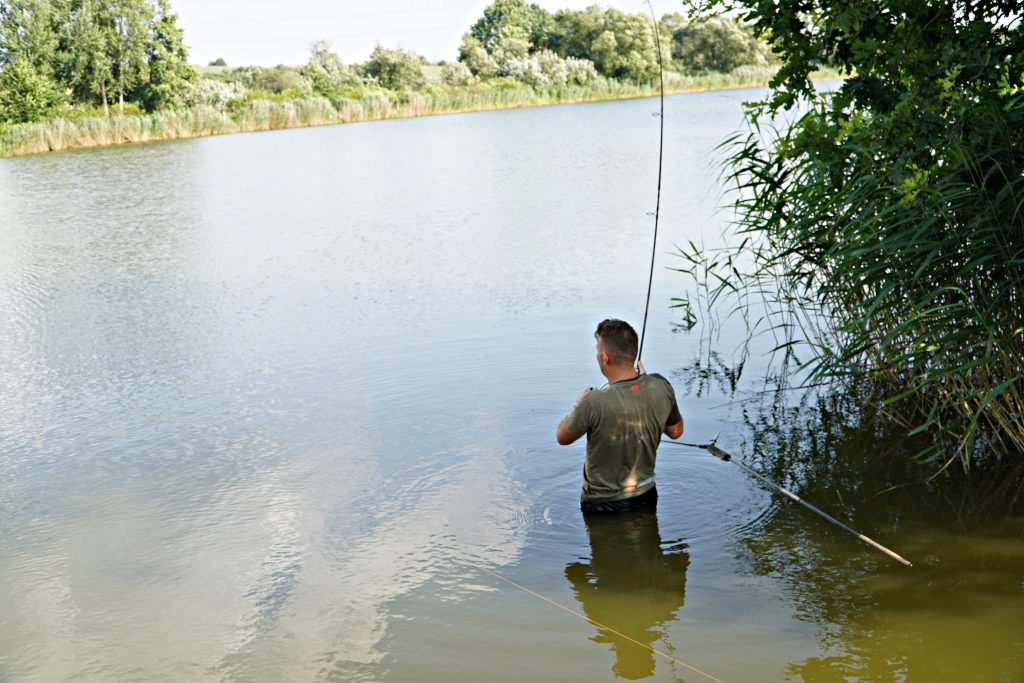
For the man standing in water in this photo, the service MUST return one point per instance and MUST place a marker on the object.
(623, 423)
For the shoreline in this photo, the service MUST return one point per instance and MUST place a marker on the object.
(258, 116)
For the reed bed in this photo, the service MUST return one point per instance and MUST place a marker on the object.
(263, 115)
(910, 283)
(60, 134)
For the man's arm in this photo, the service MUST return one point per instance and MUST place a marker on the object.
(675, 431)
(563, 435)
(674, 426)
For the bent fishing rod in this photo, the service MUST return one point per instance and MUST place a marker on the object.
(714, 450)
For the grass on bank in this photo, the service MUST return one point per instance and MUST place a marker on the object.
(80, 129)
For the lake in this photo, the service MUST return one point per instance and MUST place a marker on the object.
(280, 407)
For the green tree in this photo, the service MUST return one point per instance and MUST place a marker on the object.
(28, 30)
(395, 69)
(717, 44)
(170, 76)
(86, 64)
(98, 50)
(625, 47)
(479, 61)
(25, 94)
(104, 48)
(327, 74)
(620, 45)
(891, 208)
(125, 27)
(504, 19)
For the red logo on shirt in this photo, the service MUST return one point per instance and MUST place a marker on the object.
(635, 387)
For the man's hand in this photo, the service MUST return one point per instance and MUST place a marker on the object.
(640, 368)
(584, 393)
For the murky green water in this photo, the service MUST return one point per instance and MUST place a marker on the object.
(269, 403)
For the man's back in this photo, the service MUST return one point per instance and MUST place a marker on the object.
(623, 424)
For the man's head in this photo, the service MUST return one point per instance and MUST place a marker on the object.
(616, 344)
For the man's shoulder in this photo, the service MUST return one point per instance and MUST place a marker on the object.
(660, 381)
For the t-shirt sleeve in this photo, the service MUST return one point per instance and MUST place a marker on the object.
(674, 415)
(580, 418)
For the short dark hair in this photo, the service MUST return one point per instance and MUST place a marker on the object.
(619, 340)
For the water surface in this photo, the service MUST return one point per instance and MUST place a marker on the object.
(269, 402)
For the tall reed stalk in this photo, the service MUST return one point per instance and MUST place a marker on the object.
(911, 280)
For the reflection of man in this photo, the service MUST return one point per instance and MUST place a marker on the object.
(630, 585)
(623, 424)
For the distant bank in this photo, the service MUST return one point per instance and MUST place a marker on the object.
(59, 134)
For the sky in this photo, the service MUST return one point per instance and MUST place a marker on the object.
(270, 32)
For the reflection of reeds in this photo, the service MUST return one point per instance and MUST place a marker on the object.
(261, 115)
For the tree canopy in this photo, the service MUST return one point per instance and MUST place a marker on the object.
(617, 44)
(893, 206)
(395, 69)
(90, 52)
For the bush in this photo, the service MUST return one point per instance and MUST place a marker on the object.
(395, 69)
(25, 94)
(456, 74)
(280, 79)
(526, 70)
(477, 59)
(580, 71)
(327, 75)
(207, 92)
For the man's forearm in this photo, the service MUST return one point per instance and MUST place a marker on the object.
(563, 435)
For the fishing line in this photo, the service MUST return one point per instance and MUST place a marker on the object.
(714, 450)
(583, 616)
(661, 155)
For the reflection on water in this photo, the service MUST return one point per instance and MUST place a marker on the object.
(876, 619)
(632, 584)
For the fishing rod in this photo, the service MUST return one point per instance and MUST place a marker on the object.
(714, 450)
(711, 447)
(661, 156)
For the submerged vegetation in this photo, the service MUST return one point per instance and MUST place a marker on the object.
(86, 73)
(885, 219)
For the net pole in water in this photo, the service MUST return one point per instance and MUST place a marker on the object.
(722, 455)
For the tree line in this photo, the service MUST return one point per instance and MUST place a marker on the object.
(514, 38)
(73, 58)
(82, 53)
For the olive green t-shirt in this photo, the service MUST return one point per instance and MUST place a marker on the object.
(623, 423)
